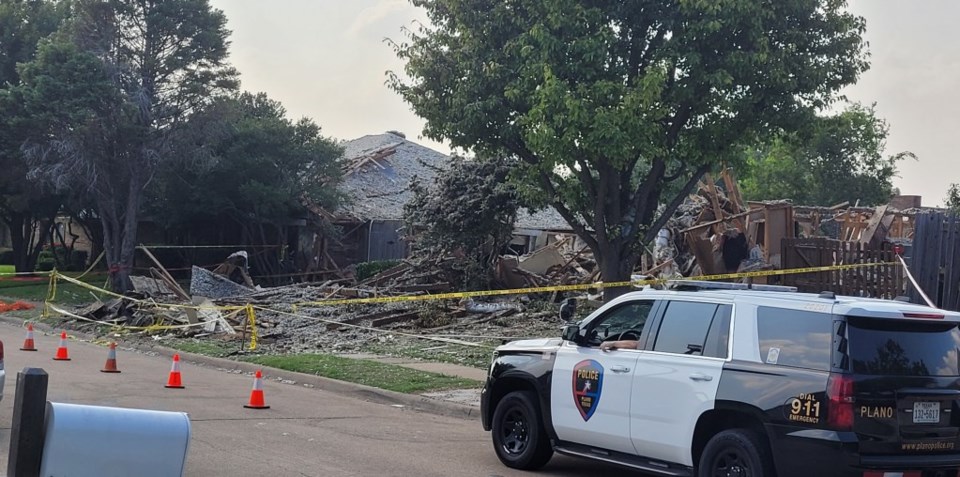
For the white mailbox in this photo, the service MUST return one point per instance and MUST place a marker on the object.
(88, 441)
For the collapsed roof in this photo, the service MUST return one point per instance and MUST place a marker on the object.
(378, 170)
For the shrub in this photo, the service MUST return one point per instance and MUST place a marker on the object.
(78, 261)
(46, 261)
(6, 257)
(368, 269)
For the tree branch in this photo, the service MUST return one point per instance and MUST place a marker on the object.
(675, 176)
(586, 177)
(642, 193)
(674, 204)
(567, 215)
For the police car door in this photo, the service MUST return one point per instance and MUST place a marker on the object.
(677, 377)
(590, 389)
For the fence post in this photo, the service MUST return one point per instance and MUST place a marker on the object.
(26, 431)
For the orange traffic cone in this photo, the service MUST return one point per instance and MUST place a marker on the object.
(28, 342)
(256, 396)
(111, 366)
(62, 349)
(174, 380)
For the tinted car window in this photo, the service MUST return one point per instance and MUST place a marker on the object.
(629, 317)
(684, 327)
(797, 338)
(901, 348)
(718, 337)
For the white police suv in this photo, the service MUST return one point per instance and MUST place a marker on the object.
(756, 382)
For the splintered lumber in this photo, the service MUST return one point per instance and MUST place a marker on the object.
(718, 221)
(359, 319)
(380, 322)
(387, 274)
(873, 225)
(428, 287)
(174, 287)
(714, 201)
(658, 267)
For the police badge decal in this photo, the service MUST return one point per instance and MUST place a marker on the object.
(587, 385)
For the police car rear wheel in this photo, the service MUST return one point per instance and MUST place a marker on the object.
(519, 437)
(735, 453)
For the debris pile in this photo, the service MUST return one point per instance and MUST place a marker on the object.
(560, 263)
(714, 231)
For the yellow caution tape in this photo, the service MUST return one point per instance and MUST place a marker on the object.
(57, 276)
(251, 315)
(252, 323)
(587, 286)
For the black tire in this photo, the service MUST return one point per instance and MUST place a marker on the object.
(519, 437)
(735, 453)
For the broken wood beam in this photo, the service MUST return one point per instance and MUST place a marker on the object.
(658, 267)
(359, 319)
(427, 287)
(714, 201)
(380, 322)
(715, 222)
(175, 287)
(387, 274)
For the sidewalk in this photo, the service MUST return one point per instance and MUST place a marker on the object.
(470, 397)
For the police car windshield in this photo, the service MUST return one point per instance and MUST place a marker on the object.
(903, 348)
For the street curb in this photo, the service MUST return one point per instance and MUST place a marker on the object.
(357, 391)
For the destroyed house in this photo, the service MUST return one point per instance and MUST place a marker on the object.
(378, 170)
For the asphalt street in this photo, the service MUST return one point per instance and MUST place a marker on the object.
(306, 432)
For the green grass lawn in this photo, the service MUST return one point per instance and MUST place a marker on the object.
(206, 347)
(379, 375)
(6, 269)
(36, 289)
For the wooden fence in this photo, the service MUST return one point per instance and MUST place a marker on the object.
(881, 281)
(934, 259)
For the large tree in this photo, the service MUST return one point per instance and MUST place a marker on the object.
(26, 209)
(261, 167)
(469, 211)
(609, 103)
(832, 159)
(163, 61)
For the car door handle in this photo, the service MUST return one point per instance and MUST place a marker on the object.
(701, 377)
(620, 369)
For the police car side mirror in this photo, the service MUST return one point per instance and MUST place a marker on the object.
(571, 333)
(568, 309)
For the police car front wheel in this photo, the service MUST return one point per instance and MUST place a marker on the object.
(735, 453)
(519, 437)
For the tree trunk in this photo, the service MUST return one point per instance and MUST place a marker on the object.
(27, 245)
(120, 236)
(616, 265)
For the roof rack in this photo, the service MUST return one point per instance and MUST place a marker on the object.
(695, 285)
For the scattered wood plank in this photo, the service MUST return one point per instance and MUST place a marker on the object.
(381, 322)
(715, 222)
(425, 287)
(360, 319)
(174, 286)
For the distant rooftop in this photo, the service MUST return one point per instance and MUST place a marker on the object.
(384, 165)
(380, 167)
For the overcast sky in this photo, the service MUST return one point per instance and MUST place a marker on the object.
(326, 59)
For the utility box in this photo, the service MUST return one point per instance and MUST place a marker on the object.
(94, 441)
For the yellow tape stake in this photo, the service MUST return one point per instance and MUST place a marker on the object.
(51, 295)
(252, 321)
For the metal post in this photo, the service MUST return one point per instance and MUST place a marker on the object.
(26, 432)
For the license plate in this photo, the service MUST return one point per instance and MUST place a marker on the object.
(926, 412)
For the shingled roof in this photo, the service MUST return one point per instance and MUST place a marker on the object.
(378, 170)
